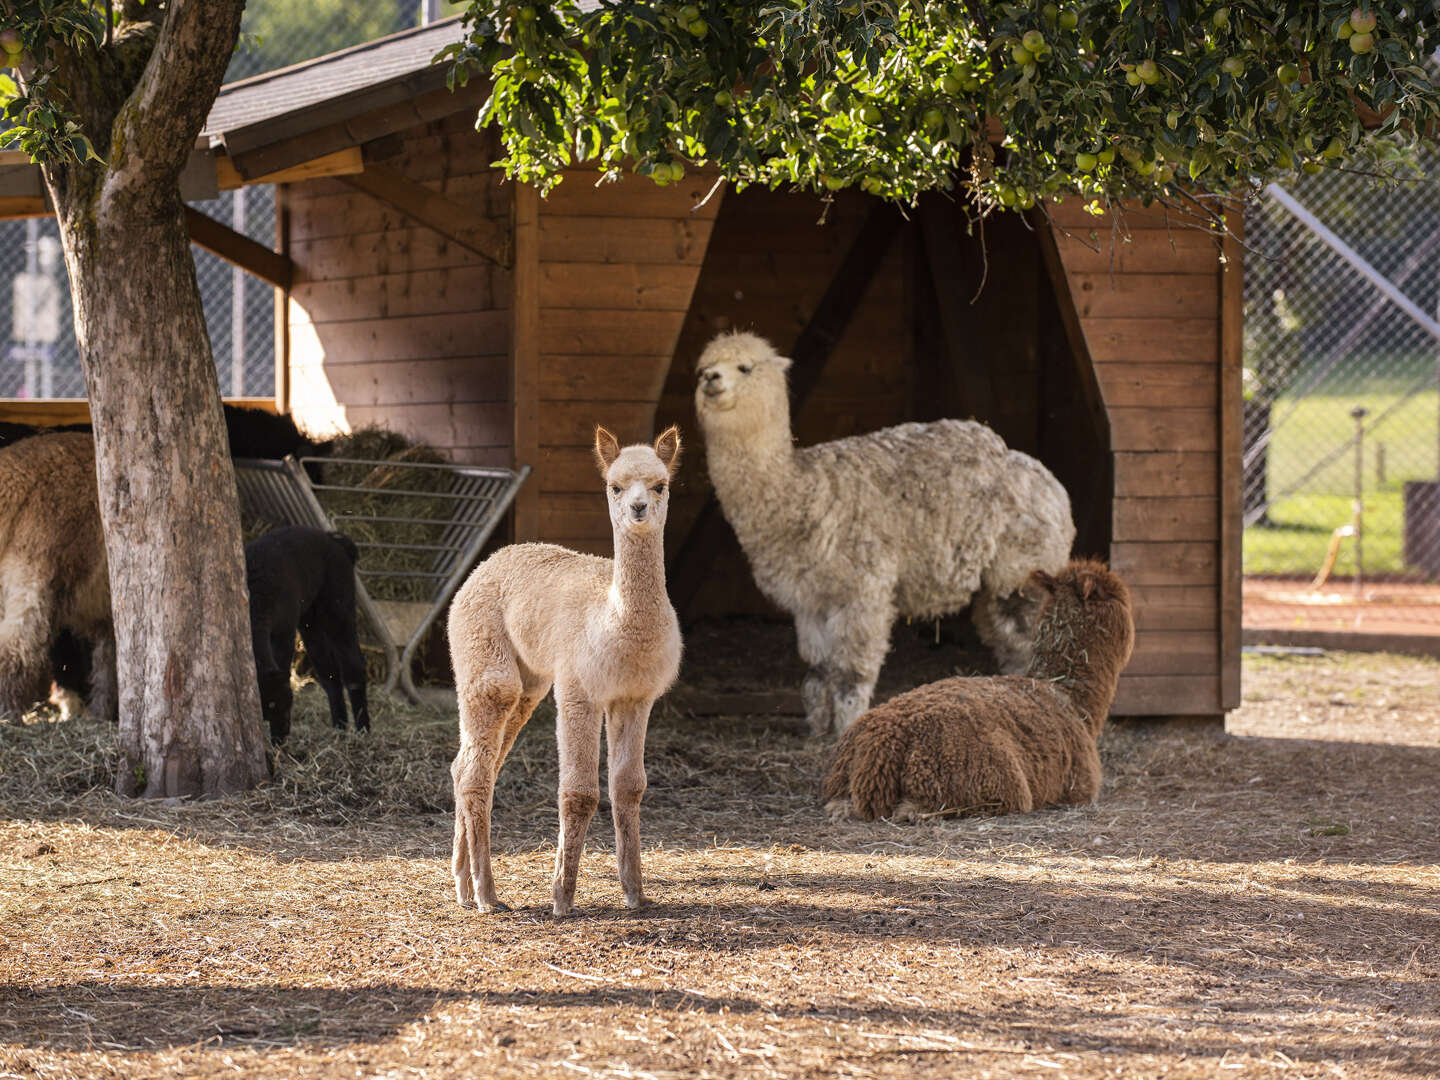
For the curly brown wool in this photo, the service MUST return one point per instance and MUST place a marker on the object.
(1006, 744)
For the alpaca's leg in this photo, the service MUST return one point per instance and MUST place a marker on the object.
(625, 736)
(812, 643)
(1006, 623)
(1083, 785)
(486, 710)
(325, 657)
(860, 637)
(104, 698)
(577, 730)
(26, 615)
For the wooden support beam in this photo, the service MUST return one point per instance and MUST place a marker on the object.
(1091, 509)
(24, 206)
(340, 163)
(698, 551)
(455, 221)
(239, 249)
(525, 354)
(955, 284)
(1232, 435)
(282, 302)
(53, 412)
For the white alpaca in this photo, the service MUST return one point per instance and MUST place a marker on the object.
(917, 520)
(604, 633)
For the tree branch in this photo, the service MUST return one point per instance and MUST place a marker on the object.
(157, 126)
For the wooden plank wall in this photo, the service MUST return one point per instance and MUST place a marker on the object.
(392, 323)
(617, 266)
(1150, 311)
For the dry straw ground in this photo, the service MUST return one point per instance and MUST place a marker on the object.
(1263, 903)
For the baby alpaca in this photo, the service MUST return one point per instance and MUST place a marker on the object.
(1006, 744)
(304, 579)
(604, 633)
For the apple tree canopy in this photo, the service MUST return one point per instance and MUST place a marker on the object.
(1105, 99)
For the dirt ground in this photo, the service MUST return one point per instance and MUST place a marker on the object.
(1263, 902)
(1375, 608)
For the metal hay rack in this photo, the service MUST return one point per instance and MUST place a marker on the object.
(418, 527)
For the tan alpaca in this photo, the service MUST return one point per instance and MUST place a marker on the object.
(604, 633)
(1008, 744)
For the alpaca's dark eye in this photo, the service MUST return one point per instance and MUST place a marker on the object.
(659, 489)
(744, 369)
(615, 488)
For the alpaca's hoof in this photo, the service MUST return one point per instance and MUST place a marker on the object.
(635, 903)
(490, 907)
(907, 813)
(561, 911)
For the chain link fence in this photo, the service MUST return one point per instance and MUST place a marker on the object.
(1342, 409)
(38, 358)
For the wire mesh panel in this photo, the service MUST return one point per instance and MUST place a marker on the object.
(1342, 409)
(419, 527)
(38, 358)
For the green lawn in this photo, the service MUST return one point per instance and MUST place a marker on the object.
(1401, 447)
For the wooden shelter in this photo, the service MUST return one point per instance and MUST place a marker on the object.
(416, 289)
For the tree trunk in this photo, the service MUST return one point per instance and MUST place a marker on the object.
(189, 705)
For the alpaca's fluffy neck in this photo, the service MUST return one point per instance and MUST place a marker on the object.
(1086, 669)
(752, 464)
(637, 586)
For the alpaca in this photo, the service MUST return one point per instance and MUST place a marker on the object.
(303, 579)
(604, 633)
(916, 520)
(81, 663)
(1010, 743)
(54, 579)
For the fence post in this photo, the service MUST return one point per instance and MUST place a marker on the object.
(1358, 414)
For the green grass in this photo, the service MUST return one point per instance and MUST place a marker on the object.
(1401, 447)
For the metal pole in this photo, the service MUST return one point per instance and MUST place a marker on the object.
(1355, 259)
(1358, 415)
(32, 298)
(237, 305)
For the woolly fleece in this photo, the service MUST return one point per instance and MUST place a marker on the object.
(1006, 744)
(916, 520)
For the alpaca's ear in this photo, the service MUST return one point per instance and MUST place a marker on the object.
(607, 449)
(782, 362)
(1088, 586)
(667, 448)
(1040, 581)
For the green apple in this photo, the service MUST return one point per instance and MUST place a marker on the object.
(1069, 20)
(1086, 162)
(1220, 17)
(698, 28)
(1233, 66)
(1148, 71)
(1021, 55)
(1106, 156)
(1287, 74)
(933, 119)
(1034, 40)
(1362, 43)
(1362, 22)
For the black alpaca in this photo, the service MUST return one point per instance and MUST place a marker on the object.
(304, 579)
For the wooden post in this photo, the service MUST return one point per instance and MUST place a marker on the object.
(1231, 449)
(525, 354)
(282, 302)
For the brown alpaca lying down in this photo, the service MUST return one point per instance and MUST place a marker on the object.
(1006, 744)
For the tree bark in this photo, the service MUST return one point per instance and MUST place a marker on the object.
(189, 705)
